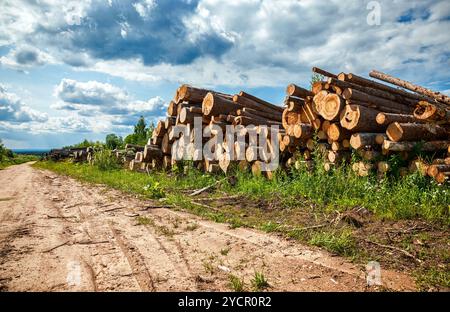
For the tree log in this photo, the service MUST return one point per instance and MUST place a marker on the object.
(412, 132)
(214, 105)
(353, 94)
(294, 90)
(388, 118)
(409, 146)
(408, 85)
(426, 111)
(303, 131)
(360, 140)
(331, 106)
(359, 118)
(323, 72)
(337, 133)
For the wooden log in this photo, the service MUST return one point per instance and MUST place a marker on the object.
(426, 111)
(172, 109)
(441, 177)
(379, 139)
(338, 157)
(248, 102)
(323, 72)
(408, 85)
(261, 114)
(317, 100)
(412, 132)
(379, 86)
(337, 146)
(360, 140)
(359, 118)
(187, 117)
(260, 101)
(388, 118)
(353, 94)
(151, 152)
(433, 170)
(331, 106)
(317, 87)
(322, 135)
(304, 131)
(409, 146)
(383, 167)
(328, 166)
(371, 155)
(337, 133)
(214, 104)
(294, 90)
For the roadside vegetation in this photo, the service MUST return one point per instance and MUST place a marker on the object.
(8, 158)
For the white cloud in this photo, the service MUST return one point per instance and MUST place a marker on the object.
(12, 109)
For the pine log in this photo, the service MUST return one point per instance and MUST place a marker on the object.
(353, 94)
(294, 90)
(433, 170)
(338, 157)
(441, 177)
(379, 86)
(214, 105)
(187, 117)
(317, 87)
(260, 101)
(151, 152)
(388, 118)
(323, 72)
(379, 139)
(337, 133)
(408, 85)
(360, 140)
(172, 109)
(409, 146)
(330, 106)
(304, 131)
(359, 118)
(276, 116)
(426, 111)
(412, 132)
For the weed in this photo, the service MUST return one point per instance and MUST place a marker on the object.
(339, 242)
(259, 282)
(225, 251)
(236, 283)
(154, 190)
(144, 221)
(192, 227)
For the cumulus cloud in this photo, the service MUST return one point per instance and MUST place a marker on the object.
(93, 98)
(235, 42)
(12, 109)
(25, 57)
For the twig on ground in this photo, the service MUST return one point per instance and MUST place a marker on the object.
(112, 209)
(57, 246)
(197, 192)
(394, 248)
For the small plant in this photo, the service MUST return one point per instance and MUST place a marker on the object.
(104, 160)
(269, 227)
(259, 282)
(154, 190)
(144, 221)
(192, 227)
(225, 251)
(341, 243)
(236, 283)
(209, 268)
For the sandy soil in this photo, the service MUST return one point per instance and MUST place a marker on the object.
(57, 234)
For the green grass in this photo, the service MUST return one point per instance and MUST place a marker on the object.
(236, 283)
(16, 160)
(259, 281)
(434, 277)
(340, 242)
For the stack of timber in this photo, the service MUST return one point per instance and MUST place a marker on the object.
(210, 112)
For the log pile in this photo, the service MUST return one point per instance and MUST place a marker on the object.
(373, 119)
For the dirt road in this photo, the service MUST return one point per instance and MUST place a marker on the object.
(57, 234)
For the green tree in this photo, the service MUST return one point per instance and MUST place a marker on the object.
(140, 129)
(113, 141)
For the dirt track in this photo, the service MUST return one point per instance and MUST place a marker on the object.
(58, 234)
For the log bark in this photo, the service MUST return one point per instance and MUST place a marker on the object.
(409, 146)
(294, 90)
(433, 170)
(359, 118)
(353, 94)
(323, 72)
(408, 85)
(388, 118)
(303, 131)
(151, 152)
(426, 111)
(360, 140)
(214, 105)
(337, 133)
(260, 101)
(412, 132)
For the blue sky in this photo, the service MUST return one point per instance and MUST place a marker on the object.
(71, 70)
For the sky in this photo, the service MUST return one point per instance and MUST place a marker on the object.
(71, 70)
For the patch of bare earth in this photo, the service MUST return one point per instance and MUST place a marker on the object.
(58, 234)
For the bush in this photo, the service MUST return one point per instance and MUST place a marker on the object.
(104, 160)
